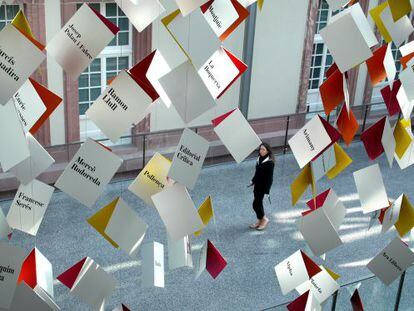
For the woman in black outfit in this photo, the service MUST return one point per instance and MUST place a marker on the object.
(262, 181)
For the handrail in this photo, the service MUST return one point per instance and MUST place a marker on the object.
(205, 126)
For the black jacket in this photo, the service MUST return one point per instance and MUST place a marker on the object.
(263, 177)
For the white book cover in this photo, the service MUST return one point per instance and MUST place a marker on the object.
(14, 148)
(399, 30)
(179, 253)
(371, 189)
(26, 298)
(220, 15)
(126, 228)
(218, 72)
(5, 229)
(38, 162)
(323, 163)
(188, 158)
(346, 43)
(404, 102)
(76, 45)
(11, 259)
(19, 59)
(187, 92)
(237, 135)
(392, 261)
(388, 141)
(29, 105)
(188, 6)
(389, 65)
(309, 141)
(29, 206)
(153, 265)
(121, 105)
(202, 260)
(177, 211)
(141, 13)
(89, 171)
(319, 232)
(392, 214)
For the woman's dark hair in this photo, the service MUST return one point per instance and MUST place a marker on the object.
(269, 151)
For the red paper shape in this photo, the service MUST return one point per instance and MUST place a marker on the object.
(356, 302)
(311, 267)
(371, 138)
(49, 99)
(215, 262)
(347, 125)
(332, 132)
(331, 70)
(405, 59)
(375, 65)
(28, 271)
(221, 118)
(332, 91)
(299, 304)
(320, 199)
(111, 26)
(68, 277)
(390, 97)
(139, 74)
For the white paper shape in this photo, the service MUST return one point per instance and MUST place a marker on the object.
(220, 15)
(89, 171)
(388, 141)
(318, 232)
(237, 135)
(323, 163)
(19, 59)
(179, 253)
(29, 206)
(389, 65)
(291, 272)
(392, 214)
(190, 97)
(399, 30)
(153, 264)
(407, 48)
(11, 259)
(76, 45)
(218, 72)
(335, 5)
(126, 228)
(44, 273)
(334, 209)
(188, 6)
(247, 3)
(123, 104)
(38, 162)
(5, 229)
(392, 261)
(321, 285)
(29, 105)
(309, 141)
(141, 14)
(404, 102)
(93, 284)
(177, 211)
(347, 41)
(202, 260)
(407, 79)
(26, 298)
(14, 148)
(371, 189)
(157, 69)
(188, 158)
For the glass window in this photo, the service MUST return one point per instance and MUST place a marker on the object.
(7, 13)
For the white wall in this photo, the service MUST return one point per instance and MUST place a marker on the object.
(277, 58)
(198, 37)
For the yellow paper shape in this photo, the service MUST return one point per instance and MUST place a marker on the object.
(260, 4)
(101, 219)
(342, 162)
(20, 22)
(399, 8)
(402, 138)
(333, 275)
(167, 21)
(376, 16)
(152, 179)
(406, 218)
(206, 213)
(301, 183)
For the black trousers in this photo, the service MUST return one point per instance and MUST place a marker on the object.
(258, 204)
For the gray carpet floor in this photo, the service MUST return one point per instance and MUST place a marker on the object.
(249, 281)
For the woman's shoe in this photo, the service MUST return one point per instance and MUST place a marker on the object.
(254, 226)
(263, 224)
